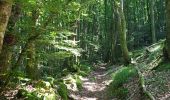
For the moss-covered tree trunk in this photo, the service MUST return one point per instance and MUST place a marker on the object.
(152, 2)
(5, 59)
(167, 42)
(122, 31)
(31, 68)
(5, 11)
(9, 40)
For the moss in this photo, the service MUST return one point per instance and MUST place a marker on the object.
(122, 76)
(119, 78)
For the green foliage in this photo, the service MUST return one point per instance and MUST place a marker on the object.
(84, 68)
(78, 82)
(163, 66)
(22, 93)
(62, 90)
(43, 84)
(122, 76)
(37, 90)
(59, 55)
(119, 78)
(121, 93)
(36, 95)
(83, 73)
(66, 32)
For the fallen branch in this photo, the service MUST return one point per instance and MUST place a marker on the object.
(155, 63)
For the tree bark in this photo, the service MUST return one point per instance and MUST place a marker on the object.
(9, 40)
(122, 31)
(5, 11)
(31, 68)
(167, 42)
(152, 20)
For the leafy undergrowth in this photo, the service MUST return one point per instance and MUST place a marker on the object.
(27, 89)
(46, 88)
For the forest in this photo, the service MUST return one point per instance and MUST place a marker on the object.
(84, 49)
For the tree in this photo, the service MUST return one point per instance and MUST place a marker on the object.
(167, 42)
(152, 2)
(31, 67)
(122, 31)
(9, 39)
(5, 11)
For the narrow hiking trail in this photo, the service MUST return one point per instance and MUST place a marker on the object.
(94, 86)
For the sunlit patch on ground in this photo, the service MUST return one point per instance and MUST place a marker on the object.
(86, 98)
(94, 86)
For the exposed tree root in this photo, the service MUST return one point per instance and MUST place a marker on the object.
(142, 85)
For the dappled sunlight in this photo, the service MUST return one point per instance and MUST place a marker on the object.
(84, 79)
(107, 82)
(86, 98)
(94, 86)
(89, 83)
(72, 87)
(101, 75)
(84, 49)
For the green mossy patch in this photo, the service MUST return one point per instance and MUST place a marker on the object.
(120, 77)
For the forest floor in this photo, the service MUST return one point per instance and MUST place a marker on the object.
(158, 84)
(157, 81)
(94, 86)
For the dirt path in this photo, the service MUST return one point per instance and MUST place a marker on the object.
(94, 86)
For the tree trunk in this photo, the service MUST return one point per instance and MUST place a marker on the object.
(5, 59)
(5, 11)
(31, 68)
(167, 42)
(152, 20)
(9, 40)
(122, 31)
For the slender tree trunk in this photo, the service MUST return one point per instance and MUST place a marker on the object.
(5, 11)
(113, 35)
(167, 42)
(152, 20)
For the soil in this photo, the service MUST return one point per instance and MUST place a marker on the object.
(94, 86)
